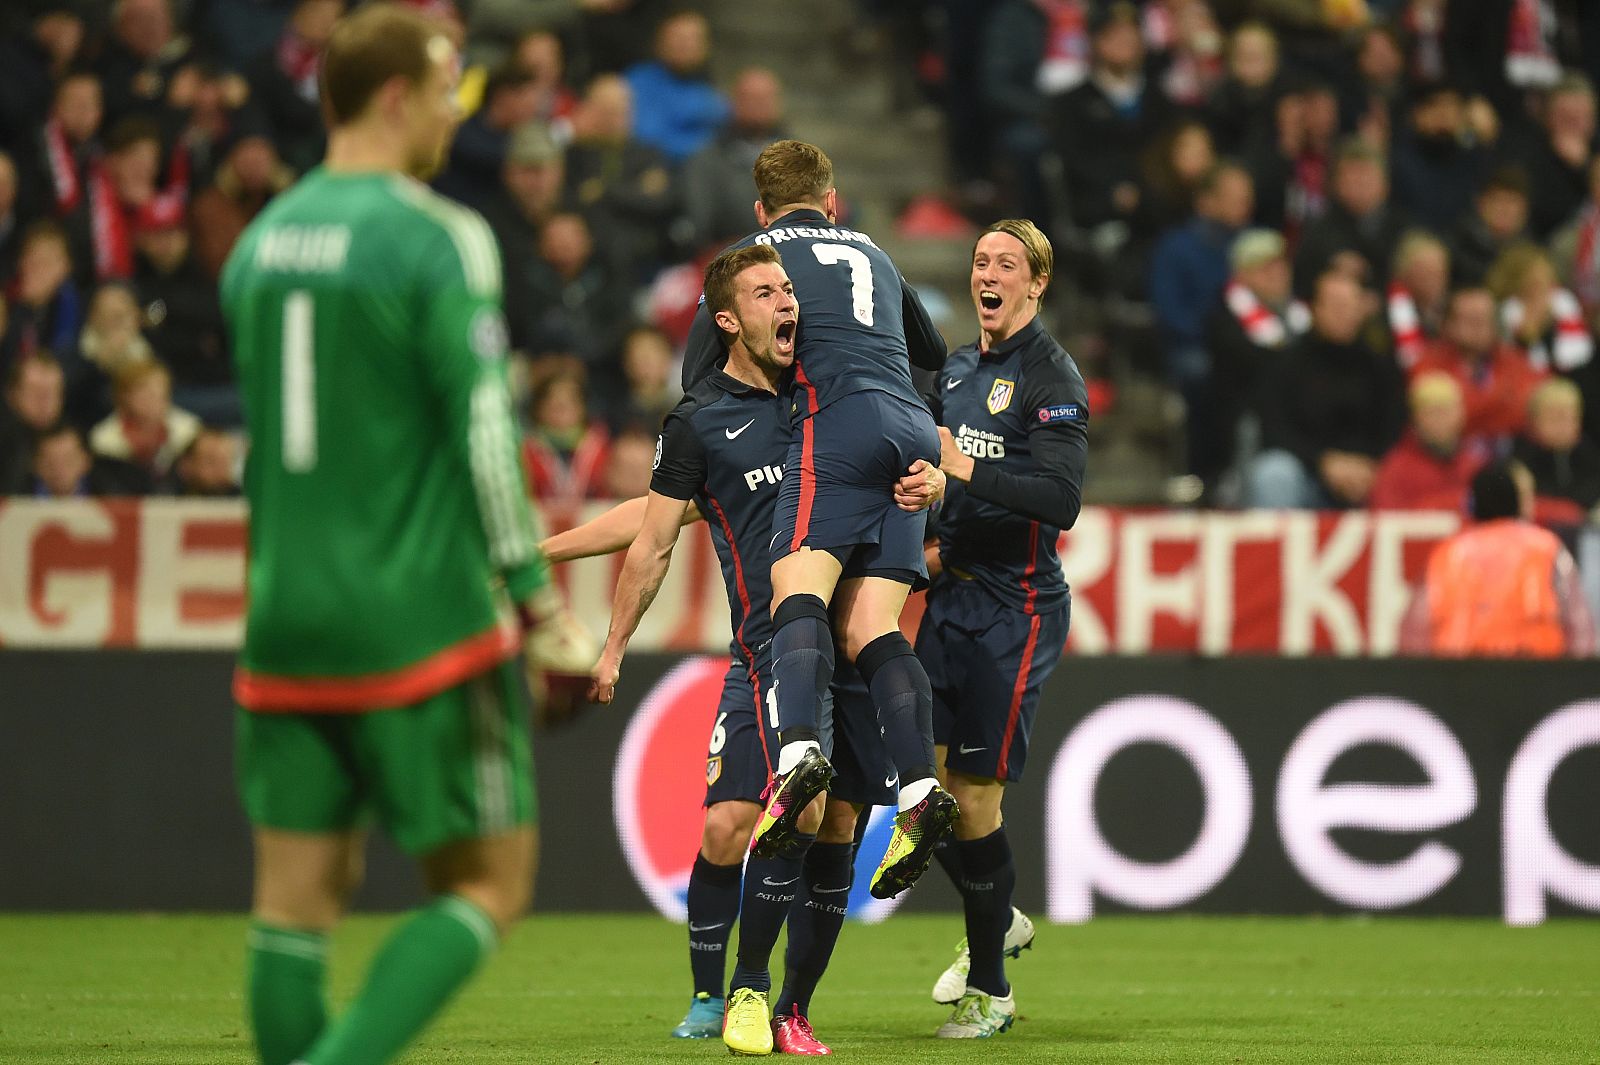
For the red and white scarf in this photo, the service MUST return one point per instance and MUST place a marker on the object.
(1260, 323)
(1066, 51)
(1405, 325)
(1564, 348)
(1531, 61)
(560, 481)
(301, 62)
(63, 162)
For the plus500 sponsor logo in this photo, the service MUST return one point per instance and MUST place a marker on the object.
(1535, 867)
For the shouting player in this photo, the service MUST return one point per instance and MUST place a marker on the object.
(387, 526)
(839, 539)
(1014, 430)
(721, 456)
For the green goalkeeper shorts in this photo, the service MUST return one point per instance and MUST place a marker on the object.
(456, 766)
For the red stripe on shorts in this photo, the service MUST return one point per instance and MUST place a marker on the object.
(1018, 690)
(808, 468)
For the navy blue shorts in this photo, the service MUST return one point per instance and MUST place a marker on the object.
(838, 491)
(744, 739)
(987, 663)
(854, 743)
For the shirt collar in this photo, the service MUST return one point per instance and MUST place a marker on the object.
(1014, 341)
(733, 386)
(804, 214)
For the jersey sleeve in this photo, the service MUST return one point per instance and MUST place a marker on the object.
(924, 343)
(703, 350)
(680, 468)
(1056, 407)
(463, 341)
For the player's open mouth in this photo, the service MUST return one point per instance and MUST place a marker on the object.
(990, 300)
(785, 335)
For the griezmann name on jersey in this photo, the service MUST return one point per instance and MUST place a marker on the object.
(386, 498)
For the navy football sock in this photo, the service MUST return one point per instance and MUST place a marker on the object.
(770, 887)
(814, 924)
(949, 859)
(904, 699)
(713, 905)
(988, 877)
(802, 665)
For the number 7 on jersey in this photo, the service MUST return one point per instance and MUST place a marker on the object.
(860, 275)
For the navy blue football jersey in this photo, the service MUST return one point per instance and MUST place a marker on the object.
(861, 325)
(723, 446)
(1021, 412)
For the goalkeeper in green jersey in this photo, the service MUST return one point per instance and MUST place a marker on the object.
(389, 541)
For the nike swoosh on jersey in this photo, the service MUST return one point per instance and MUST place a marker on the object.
(948, 385)
(706, 927)
(733, 434)
(829, 890)
(892, 781)
(767, 880)
(964, 749)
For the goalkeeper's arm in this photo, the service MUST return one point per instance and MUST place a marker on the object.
(606, 534)
(642, 574)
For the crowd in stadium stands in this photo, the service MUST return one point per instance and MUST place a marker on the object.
(1366, 232)
(1336, 211)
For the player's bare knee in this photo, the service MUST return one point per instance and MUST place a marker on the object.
(494, 873)
(838, 822)
(726, 835)
(980, 805)
(859, 631)
(810, 820)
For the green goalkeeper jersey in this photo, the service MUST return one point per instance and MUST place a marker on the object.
(386, 495)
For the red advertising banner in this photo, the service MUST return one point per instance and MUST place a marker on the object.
(165, 574)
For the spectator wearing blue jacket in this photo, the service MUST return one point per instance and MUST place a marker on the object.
(676, 108)
(1189, 270)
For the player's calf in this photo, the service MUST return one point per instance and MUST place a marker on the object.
(802, 668)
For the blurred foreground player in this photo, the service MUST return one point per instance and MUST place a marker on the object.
(387, 529)
(839, 541)
(997, 613)
(721, 456)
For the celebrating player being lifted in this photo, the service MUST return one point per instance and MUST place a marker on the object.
(717, 449)
(1014, 429)
(386, 504)
(838, 536)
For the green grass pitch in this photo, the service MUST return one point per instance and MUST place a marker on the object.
(597, 990)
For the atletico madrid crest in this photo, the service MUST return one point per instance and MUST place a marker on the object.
(713, 770)
(1000, 395)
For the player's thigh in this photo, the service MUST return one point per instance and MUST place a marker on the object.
(457, 766)
(740, 754)
(945, 670)
(866, 608)
(1008, 654)
(298, 773)
(743, 746)
(805, 572)
(304, 880)
(494, 873)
